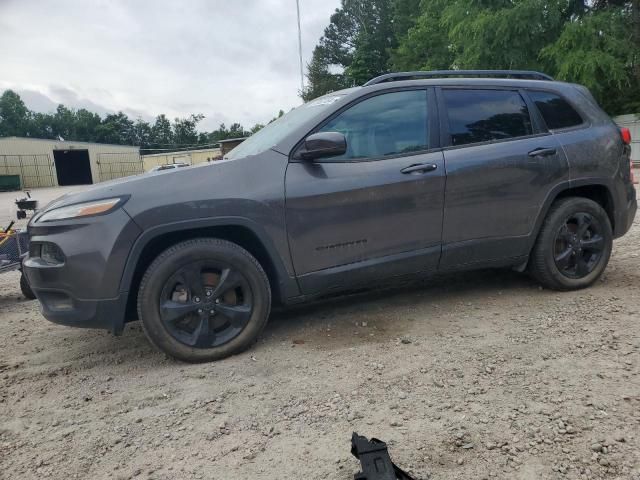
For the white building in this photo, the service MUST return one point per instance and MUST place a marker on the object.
(48, 163)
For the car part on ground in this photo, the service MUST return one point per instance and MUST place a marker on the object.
(405, 177)
(375, 460)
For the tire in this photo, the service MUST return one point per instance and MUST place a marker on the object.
(565, 259)
(26, 288)
(221, 287)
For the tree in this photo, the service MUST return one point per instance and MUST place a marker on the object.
(86, 123)
(64, 123)
(355, 47)
(41, 126)
(14, 115)
(185, 130)
(142, 133)
(595, 43)
(161, 132)
(594, 51)
(426, 44)
(116, 128)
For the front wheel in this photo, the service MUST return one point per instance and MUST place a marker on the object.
(25, 288)
(203, 300)
(574, 245)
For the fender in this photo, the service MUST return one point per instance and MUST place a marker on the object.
(553, 194)
(288, 285)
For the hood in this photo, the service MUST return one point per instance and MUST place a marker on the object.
(162, 181)
(224, 187)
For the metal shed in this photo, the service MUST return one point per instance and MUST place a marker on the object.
(49, 163)
(227, 145)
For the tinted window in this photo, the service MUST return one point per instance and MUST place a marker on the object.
(555, 110)
(485, 115)
(388, 124)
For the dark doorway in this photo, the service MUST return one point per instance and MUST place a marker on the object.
(73, 167)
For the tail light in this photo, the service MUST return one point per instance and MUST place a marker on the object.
(625, 134)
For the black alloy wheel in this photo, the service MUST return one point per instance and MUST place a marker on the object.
(573, 246)
(205, 305)
(579, 245)
(204, 299)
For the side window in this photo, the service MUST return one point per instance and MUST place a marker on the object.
(555, 110)
(486, 115)
(388, 124)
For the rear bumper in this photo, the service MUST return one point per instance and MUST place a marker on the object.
(626, 217)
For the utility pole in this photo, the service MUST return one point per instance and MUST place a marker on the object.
(300, 48)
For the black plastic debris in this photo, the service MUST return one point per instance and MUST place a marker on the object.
(375, 460)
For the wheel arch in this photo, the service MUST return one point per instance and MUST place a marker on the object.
(237, 230)
(598, 190)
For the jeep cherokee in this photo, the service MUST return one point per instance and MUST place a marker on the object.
(413, 173)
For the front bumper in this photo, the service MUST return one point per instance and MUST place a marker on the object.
(64, 309)
(83, 290)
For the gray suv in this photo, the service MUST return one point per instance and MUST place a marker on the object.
(413, 173)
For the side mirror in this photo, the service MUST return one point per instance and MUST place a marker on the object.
(322, 145)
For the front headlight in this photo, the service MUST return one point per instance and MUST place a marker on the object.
(86, 209)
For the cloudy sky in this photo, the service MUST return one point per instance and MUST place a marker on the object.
(231, 60)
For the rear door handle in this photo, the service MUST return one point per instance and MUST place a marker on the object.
(420, 168)
(543, 152)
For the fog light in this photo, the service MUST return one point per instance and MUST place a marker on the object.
(56, 301)
(60, 304)
(51, 253)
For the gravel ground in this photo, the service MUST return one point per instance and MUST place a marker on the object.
(472, 376)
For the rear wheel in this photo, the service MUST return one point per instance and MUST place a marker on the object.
(574, 245)
(203, 300)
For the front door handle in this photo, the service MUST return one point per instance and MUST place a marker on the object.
(543, 152)
(420, 168)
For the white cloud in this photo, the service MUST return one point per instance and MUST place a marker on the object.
(230, 60)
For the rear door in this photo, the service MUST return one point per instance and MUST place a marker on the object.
(501, 164)
(375, 211)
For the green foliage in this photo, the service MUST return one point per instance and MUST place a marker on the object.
(85, 126)
(501, 35)
(592, 42)
(425, 45)
(14, 115)
(185, 129)
(595, 51)
(355, 46)
(161, 132)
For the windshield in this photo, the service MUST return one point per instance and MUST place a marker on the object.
(273, 133)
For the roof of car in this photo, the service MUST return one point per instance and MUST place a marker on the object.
(395, 76)
(468, 81)
(453, 82)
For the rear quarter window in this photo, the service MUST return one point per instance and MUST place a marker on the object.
(555, 110)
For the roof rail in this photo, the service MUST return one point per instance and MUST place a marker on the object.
(524, 74)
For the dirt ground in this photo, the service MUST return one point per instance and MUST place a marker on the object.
(471, 376)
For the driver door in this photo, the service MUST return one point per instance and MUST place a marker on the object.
(375, 211)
